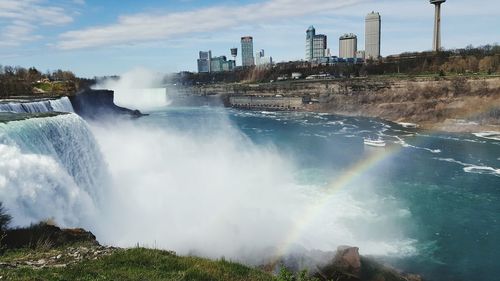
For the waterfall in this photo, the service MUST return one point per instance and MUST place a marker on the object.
(50, 168)
(60, 105)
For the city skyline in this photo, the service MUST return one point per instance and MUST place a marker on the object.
(94, 38)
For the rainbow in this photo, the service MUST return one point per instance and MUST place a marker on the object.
(354, 172)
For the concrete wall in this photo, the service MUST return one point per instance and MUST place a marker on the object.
(277, 103)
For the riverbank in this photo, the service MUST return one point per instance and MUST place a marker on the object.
(453, 104)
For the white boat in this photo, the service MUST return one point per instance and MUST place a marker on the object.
(375, 143)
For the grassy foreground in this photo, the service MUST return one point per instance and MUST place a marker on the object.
(136, 264)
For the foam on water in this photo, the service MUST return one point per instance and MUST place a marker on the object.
(474, 169)
(492, 135)
(405, 144)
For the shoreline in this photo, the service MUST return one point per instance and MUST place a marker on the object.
(446, 126)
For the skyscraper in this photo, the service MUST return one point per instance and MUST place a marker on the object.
(316, 44)
(348, 46)
(204, 62)
(247, 51)
(372, 35)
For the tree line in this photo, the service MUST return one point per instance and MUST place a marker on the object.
(20, 81)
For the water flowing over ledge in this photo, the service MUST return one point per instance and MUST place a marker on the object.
(50, 166)
(56, 105)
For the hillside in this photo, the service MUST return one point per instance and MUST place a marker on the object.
(458, 103)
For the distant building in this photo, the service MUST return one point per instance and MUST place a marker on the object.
(204, 62)
(261, 60)
(247, 51)
(234, 53)
(220, 64)
(348, 46)
(373, 25)
(360, 55)
(316, 44)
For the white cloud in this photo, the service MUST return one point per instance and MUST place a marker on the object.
(137, 28)
(21, 18)
(17, 33)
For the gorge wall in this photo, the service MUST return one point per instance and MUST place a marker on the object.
(448, 103)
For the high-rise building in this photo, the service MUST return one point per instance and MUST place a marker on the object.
(316, 44)
(219, 64)
(348, 46)
(204, 62)
(247, 51)
(372, 35)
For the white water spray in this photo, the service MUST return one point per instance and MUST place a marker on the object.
(139, 88)
(213, 192)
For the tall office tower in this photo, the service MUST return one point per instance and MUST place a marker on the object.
(204, 62)
(372, 35)
(316, 44)
(247, 51)
(348, 46)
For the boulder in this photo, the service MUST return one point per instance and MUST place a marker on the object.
(348, 265)
(45, 235)
(345, 266)
(348, 259)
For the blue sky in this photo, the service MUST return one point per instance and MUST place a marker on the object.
(96, 37)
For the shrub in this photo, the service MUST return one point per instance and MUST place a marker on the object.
(4, 223)
(286, 275)
(5, 218)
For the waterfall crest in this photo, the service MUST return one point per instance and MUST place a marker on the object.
(59, 105)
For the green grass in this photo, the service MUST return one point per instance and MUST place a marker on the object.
(139, 264)
(47, 87)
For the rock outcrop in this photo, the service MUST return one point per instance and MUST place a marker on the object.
(46, 236)
(96, 104)
(348, 265)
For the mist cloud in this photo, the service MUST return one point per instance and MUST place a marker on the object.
(139, 88)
